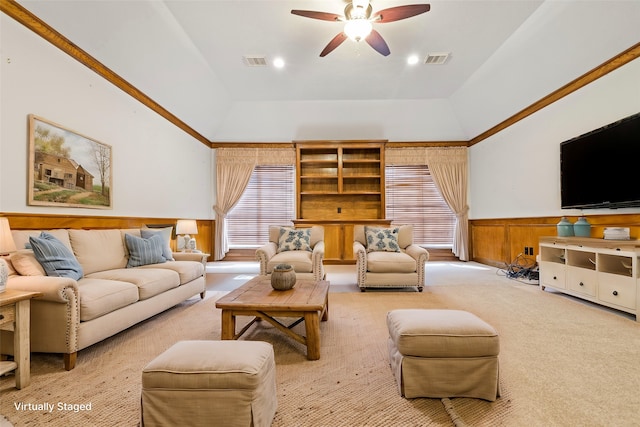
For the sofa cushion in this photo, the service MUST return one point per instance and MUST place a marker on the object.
(390, 262)
(165, 233)
(98, 250)
(382, 239)
(21, 237)
(150, 281)
(144, 251)
(56, 259)
(99, 297)
(25, 263)
(294, 239)
(299, 260)
(187, 270)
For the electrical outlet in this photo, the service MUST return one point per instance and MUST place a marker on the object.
(526, 250)
(530, 250)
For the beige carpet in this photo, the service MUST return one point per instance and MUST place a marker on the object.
(563, 363)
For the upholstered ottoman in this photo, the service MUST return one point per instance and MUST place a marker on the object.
(443, 353)
(205, 383)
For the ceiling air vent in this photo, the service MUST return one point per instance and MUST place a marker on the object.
(436, 58)
(255, 60)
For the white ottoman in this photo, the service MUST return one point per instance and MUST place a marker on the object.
(204, 383)
(443, 353)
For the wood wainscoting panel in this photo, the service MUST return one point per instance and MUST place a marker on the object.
(498, 242)
(487, 243)
(20, 221)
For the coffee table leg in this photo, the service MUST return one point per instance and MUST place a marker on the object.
(312, 325)
(325, 313)
(228, 325)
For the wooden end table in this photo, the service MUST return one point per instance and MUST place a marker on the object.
(307, 301)
(15, 312)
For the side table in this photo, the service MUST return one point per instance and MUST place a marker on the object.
(15, 312)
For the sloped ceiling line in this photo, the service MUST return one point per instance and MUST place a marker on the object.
(601, 70)
(12, 9)
(41, 28)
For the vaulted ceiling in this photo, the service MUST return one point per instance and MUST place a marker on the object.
(189, 55)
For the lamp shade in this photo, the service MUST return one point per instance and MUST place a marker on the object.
(6, 239)
(186, 226)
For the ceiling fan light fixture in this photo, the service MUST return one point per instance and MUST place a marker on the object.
(357, 29)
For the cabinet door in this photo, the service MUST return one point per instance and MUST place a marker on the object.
(582, 280)
(332, 242)
(617, 290)
(552, 274)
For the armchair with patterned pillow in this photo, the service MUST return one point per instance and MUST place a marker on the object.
(386, 257)
(302, 248)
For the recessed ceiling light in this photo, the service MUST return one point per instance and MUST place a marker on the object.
(278, 62)
(413, 59)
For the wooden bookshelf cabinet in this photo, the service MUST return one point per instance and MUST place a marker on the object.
(339, 184)
(606, 272)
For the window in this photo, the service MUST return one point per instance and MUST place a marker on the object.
(413, 198)
(268, 200)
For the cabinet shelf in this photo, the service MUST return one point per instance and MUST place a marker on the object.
(340, 181)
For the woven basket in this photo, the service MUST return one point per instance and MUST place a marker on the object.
(283, 277)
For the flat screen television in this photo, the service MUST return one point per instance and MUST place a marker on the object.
(601, 169)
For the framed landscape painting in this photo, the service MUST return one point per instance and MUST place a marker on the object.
(67, 169)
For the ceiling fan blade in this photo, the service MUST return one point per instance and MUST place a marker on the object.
(334, 43)
(376, 41)
(400, 12)
(317, 15)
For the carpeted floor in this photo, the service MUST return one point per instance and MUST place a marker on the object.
(563, 362)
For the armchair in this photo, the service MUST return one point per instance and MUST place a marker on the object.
(394, 263)
(306, 260)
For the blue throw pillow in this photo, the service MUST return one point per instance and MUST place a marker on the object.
(144, 251)
(165, 233)
(56, 259)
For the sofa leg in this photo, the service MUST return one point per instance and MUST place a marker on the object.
(70, 360)
(202, 294)
(420, 288)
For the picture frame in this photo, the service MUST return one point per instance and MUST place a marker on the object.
(67, 169)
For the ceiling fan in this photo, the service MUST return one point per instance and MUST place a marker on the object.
(358, 18)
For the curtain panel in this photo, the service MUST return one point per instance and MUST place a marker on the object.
(233, 172)
(449, 168)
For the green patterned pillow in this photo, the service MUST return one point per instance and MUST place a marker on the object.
(294, 239)
(382, 239)
(144, 251)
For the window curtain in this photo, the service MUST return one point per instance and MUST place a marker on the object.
(233, 172)
(448, 167)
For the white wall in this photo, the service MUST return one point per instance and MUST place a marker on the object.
(158, 170)
(516, 173)
(408, 120)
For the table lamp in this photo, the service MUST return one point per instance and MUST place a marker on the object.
(6, 245)
(184, 228)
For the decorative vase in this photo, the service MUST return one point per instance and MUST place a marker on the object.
(283, 277)
(565, 227)
(582, 228)
(4, 273)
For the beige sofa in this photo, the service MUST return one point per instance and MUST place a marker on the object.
(386, 267)
(109, 297)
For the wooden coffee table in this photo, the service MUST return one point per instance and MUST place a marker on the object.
(308, 301)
